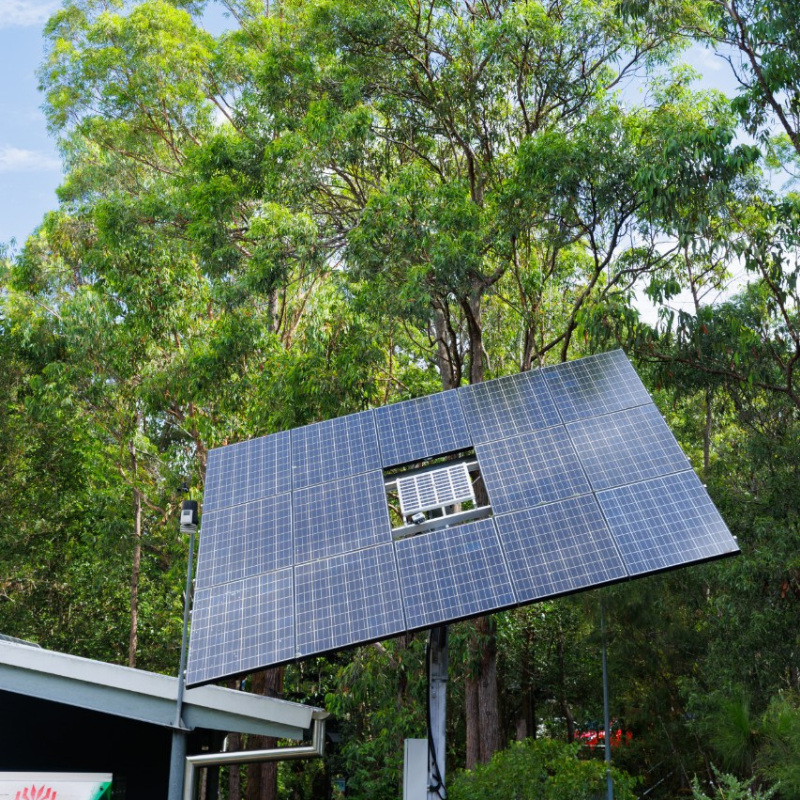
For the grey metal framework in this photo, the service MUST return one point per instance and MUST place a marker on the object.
(586, 486)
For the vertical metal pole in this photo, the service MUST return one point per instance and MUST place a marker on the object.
(437, 711)
(179, 733)
(609, 781)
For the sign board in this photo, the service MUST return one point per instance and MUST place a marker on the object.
(415, 769)
(55, 786)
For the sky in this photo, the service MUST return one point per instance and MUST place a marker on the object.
(30, 169)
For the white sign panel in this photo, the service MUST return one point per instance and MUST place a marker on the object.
(55, 786)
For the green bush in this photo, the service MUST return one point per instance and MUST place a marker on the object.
(540, 769)
(729, 787)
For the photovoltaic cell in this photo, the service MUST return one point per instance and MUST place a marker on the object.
(530, 469)
(453, 573)
(559, 548)
(665, 522)
(247, 471)
(422, 428)
(340, 516)
(245, 540)
(595, 385)
(334, 449)
(509, 406)
(347, 599)
(241, 626)
(627, 446)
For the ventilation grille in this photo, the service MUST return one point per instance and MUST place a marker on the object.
(436, 489)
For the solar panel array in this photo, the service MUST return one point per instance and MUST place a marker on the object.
(586, 483)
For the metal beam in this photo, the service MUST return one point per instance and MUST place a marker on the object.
(314, 750)
(144, 696)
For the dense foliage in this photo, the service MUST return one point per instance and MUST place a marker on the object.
(300, 214)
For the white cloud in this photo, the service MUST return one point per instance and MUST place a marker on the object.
(13, 159)
(25, 12)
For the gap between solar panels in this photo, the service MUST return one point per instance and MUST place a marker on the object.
(434, 495)
(437, 509)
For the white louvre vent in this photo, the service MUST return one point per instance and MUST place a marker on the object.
(435, 489)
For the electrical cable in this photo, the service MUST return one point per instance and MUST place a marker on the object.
(438, 787)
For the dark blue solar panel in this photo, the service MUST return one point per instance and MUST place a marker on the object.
(245, 540)
(508, 406)
(334, 449)
(559, 548)
(627, 446)
(340, 516)
(247, 471)
(297, 555)
(665, 522)
(421, 428)
(596, 385)
(530, 469)
(242, 626)
(453, 573)
(347, 599)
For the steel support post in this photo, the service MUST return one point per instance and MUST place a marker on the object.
(437, 711)
(177, 757)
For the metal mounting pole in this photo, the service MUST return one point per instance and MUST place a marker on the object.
(179, 733)
(606, 719)
(437, 711)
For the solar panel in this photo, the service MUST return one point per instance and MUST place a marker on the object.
(452, 574)
(340, 516)
(508, 406)
(347, 599)
(435, 489)
(247, 471)
(586, 486)
(245, 540)
(665, 522)
(418, 429)
(559, 548)
(626, 446)
(533, 468)
(595, 385)
(334, 449)
(241, 626)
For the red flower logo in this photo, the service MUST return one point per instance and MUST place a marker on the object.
(42, 793)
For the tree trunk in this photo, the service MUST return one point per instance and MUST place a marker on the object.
(477, 364)
(562, 673)
(262, 779)
(449, 369)
(526, 718)
(472, 719)
(235, 773)
(707, 436)
(490, 736)
(133, 638)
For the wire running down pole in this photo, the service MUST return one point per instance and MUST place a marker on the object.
(437, 668)
(606, 719)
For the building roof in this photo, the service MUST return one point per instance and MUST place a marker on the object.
(145, 696)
